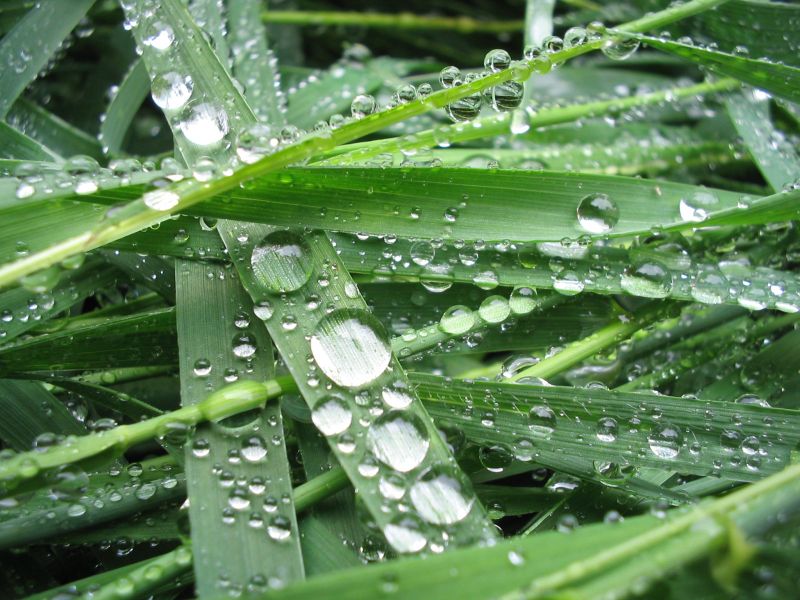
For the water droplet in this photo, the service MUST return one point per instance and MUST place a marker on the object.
(254, 449)
(568, 283)
(523, 300)
(494, 309)
(620, 49)
(351, 347)
(171, 90)
(665, 441)
(597, 213)
(362, 105)
(450, 76)
(405, 534)
(282, 262)
(244, 345)
(159, 36)
(399, 440)
(649, 279)
(542, 421)
(279, 529)
(710, 287)
(331, 416)
(497, 60)
(607, 429)
(441, 496)
(697, 206)
(457, 320)
(204, 124)
(161, 200)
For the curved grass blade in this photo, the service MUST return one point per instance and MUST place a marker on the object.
(776, 78)
(52, 131)
(775, 156)
(26, 49)
(127, 100)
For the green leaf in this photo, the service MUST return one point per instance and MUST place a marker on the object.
(642, 430)
(220, 338)
(778, 79)
(123, 107)
(26, 49)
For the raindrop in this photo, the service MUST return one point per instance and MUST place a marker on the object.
(351, 347)
(331, 416)
(649, 279)
(441, 496)
(204, 124)
(282, 262)
(607, 429)
(497, 60)
(597, 213)
(399, 440)
(665, 441)
(620, 49)
(171, 90)
(542, 421)
(405, 534)
(457, 320)
(494, 309)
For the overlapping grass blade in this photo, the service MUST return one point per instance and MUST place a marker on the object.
(613, 427)
(553, 561)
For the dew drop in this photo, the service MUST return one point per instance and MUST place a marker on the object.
(351, 347)
(665, 441)
(441, 496)
(331, 416)
(171, 90)
(282, 262)
(204, 124)
(649, 279)
(597, 213)
(456, 320)
(399, 440)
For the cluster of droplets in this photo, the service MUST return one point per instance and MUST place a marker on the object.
(358, 400)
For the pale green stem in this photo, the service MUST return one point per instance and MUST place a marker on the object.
(230, 400)
(499, 124)
(402, 20)
(580, 350)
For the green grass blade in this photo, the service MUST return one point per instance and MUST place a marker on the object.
(52, 131)
(776, 78)
(123, 107)
(219, 337)
(554, 561)
(351, 353)
(29, 411)
(684, 437)
(773, 153)
(26, 49)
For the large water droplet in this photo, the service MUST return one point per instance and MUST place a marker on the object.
(696, 207)
(351, 347)
(172, 90)
(399, 439)
(204, 124)
(282, 262)
(665, 441)
(542, 421)
(331, 416)
(441, 496)
(405, 534)
(597, 213)
(649, 279)
(457, 320)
